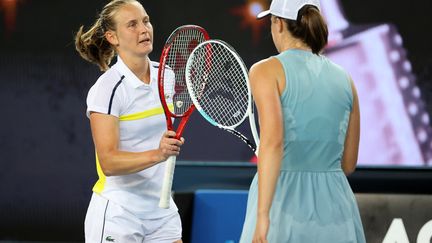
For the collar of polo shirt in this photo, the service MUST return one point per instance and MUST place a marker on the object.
(130, 77)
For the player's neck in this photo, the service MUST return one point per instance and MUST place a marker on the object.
(294, 43)
(140, 67)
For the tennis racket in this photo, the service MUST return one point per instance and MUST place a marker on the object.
(173, 92)
(218, 83)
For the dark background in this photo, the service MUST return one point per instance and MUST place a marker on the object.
(46, 152)
(46, 82)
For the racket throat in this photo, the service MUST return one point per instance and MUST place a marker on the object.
(244, 139)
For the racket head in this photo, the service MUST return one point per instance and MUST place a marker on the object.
(173, 92)
(218, 83)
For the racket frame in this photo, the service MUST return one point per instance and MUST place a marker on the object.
(249, 112)
(165, 197)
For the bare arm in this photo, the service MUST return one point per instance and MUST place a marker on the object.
(350, 154)
(105, 132)
(266, 93)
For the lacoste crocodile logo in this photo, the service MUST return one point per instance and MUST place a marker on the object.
(110, 239)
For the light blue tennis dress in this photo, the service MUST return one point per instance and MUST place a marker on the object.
(313, 201)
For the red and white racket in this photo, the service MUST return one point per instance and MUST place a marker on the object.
(173, 91)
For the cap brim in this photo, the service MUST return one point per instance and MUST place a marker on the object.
(263, 14)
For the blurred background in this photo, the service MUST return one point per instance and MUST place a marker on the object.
(46, 151)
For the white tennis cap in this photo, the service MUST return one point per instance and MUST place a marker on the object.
(287, 9)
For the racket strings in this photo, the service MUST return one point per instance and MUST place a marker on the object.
(182, 45)
(219, 84)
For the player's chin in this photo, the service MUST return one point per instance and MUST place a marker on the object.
(145, 49)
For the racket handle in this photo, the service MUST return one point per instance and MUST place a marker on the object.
(165, 197)
(254, 132)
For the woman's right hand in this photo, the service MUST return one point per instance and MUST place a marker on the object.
(169, 145)
(261, 229)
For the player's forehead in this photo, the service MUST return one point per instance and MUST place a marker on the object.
(130, 11)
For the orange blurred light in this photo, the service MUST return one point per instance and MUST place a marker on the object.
(248, 13)
(9, 8)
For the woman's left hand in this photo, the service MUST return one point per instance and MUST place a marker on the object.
(261, 229)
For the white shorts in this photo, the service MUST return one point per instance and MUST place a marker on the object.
(108, 222)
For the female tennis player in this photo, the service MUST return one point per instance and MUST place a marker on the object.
(129, 130)
(309, 126)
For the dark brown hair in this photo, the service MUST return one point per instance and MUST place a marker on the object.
(310, 27)
(92, 45)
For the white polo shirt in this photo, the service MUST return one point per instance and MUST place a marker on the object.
(118, 92)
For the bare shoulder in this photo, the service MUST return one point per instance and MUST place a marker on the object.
(265, 67)
(267, 73)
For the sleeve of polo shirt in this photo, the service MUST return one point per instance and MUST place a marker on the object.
(105, 97)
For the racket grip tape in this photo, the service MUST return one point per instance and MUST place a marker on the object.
(165, 197)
